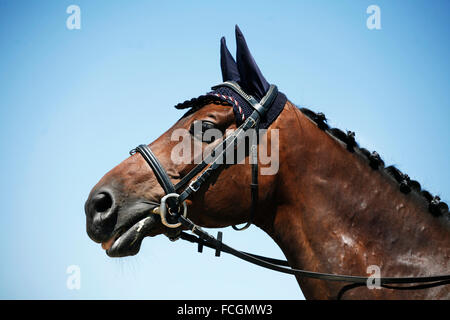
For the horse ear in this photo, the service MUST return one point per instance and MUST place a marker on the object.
(227, 63)
(252, 80)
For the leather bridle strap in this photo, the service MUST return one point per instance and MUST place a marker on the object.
(254, 183)
(163, 179)
(161, 175)
(199, 168)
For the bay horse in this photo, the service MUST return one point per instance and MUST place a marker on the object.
(330, 205)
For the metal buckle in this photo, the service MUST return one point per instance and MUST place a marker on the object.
(163, 210)
(191, 186)
(252, 123)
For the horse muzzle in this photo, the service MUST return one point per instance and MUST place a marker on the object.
(119, 225)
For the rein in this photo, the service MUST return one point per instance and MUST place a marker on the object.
(173, 208)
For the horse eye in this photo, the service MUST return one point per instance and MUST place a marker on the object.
(206, 125)
(198, 129)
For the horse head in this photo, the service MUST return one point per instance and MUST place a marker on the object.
(120, 207)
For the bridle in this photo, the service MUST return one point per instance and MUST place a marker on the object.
(173, 199)
(173, 208)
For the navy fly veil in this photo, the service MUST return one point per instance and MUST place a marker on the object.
(246, 73)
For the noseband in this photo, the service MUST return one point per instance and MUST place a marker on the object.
(173, 209)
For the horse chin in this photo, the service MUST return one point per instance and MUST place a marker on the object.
(129, 242)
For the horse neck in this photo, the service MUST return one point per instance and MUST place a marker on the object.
(337, 215)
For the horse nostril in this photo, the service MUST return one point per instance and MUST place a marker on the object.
(101, 215)
(102, 202)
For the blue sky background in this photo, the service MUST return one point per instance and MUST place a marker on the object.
(74, 102)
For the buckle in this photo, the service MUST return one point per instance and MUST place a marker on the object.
(163, 210)
(250, 123)
(253, 122)
(192, 187)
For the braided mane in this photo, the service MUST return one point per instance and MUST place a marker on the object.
(406, 185)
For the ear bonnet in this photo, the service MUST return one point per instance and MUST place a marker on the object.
(247, 74)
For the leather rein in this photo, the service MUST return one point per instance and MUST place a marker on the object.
(173, 208)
